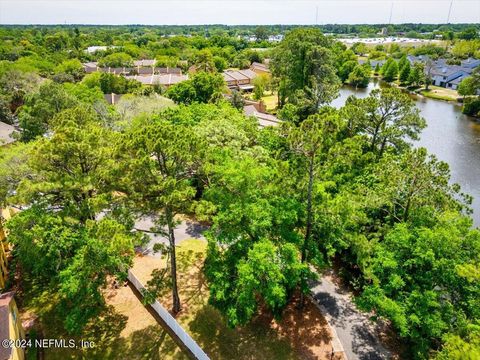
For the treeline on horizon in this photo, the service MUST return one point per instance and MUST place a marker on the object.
(272, 29)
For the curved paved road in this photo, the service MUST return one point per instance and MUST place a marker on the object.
(354, 330)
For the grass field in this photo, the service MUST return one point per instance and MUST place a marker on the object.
(440, 93)
(270, 100)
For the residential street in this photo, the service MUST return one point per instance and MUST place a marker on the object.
(355, 331)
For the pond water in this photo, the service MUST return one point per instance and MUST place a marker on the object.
(450, 135)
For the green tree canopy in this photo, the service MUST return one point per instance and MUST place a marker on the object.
(303, 62)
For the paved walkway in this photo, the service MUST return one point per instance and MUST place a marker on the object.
(354, 330)
(184, 231)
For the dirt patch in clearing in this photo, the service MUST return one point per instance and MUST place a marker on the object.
(306, 330)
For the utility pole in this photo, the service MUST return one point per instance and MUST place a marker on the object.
(449, 12)
(391, 13)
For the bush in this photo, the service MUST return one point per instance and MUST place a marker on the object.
(472, 106)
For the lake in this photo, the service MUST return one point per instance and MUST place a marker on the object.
(450, 135)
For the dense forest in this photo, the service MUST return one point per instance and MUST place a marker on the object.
(329, 187)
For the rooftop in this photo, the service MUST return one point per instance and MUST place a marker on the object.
(264, 119)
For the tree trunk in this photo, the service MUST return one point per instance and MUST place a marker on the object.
(309, 225)
(308, 229)
(374, 137)
(407, 210)
(382, 148)
(173, 263)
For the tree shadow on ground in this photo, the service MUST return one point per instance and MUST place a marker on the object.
(219, 341)
(194, 229)
(362, 344)
(306, 328)
(301, 333)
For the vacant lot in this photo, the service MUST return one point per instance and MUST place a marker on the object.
(301, 334)
(126, 329)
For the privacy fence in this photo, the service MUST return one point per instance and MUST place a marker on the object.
(173, 327)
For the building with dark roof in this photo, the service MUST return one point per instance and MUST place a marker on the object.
(470, 63)
(442, 75)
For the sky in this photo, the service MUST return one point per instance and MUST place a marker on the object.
(180, 12)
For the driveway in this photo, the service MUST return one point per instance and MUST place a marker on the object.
(184, 231)
(354, 330)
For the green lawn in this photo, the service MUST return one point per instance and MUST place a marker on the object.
(440, 93)
(270, 100)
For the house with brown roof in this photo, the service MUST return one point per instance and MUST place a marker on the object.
(167, 70)
(145, 71)
(90, 67)
(264, 119)
(145, 63)
(239, 79)
(260, 68)
(159, 79)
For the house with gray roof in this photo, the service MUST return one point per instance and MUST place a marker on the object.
(441, 76)
(373, 63)
(412, 59)
(470, 63)
(453, 84)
